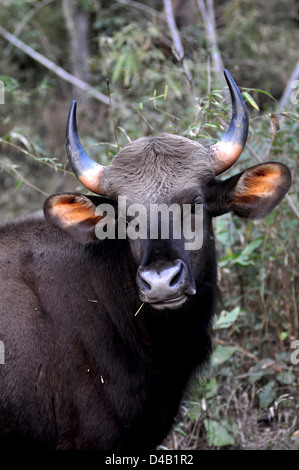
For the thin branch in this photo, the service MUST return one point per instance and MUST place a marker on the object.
(53, 165)
(13, 169)
(111, 112)
(289, 88)
(208, 16)
(54, 68)
(242, 350)
(254, 154)
(150, 127)
(292, 205)
(177, 43)
(177, 48)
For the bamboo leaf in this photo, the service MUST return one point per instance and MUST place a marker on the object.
(250, 100)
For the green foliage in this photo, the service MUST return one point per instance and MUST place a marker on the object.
(227, 319)
(129, 51)
(218, 434)
(243, 257)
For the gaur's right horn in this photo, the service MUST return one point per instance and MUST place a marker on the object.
(227, 150)
(88, 172)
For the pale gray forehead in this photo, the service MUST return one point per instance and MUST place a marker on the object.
(151, 168)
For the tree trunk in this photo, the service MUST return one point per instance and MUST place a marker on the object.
(77, 23)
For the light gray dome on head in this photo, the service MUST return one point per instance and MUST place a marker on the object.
(153, 166)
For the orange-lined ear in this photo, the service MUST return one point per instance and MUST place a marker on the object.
(74, 214)
(253, 193)
(259, 189)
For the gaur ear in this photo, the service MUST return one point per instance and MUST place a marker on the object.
(253, 193)
(75, 214)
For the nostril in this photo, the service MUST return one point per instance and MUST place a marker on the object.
(145, 285)
(176, 278)
(144, 280)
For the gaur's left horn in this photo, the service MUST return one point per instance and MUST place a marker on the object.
(227, 150)
(88, 172)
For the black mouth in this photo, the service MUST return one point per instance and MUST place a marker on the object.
(172, 304)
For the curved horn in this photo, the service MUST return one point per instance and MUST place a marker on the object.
(227, 150)
(88, 172)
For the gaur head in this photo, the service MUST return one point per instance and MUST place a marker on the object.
(180, 174)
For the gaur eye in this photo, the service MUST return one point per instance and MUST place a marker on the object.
(196, 206)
